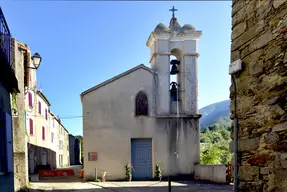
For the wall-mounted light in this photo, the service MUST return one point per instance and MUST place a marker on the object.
(36, 58)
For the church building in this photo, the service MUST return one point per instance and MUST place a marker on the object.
(156, 119)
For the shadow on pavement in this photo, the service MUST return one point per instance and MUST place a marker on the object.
(61, 179)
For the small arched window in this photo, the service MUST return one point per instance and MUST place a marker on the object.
(141, 104)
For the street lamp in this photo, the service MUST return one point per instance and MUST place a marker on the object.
(36, 58)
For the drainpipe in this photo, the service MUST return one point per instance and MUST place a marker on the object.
(235, 68)
(235, 138)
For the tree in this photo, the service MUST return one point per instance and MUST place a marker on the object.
(218, 151)
(210, 155)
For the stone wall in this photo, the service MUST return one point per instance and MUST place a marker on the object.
(259, 39)
(19, 131)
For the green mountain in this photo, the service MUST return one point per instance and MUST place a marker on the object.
(216, 113)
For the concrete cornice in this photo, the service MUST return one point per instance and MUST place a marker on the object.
(191, 54)
(153, 37)
(157, 53)
(193, 35)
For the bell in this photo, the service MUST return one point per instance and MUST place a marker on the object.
(174, 62)
(173, 91)
(173, 87)
(174, 70)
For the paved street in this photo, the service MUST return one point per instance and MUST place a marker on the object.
(73, 183)
(184, 186)
(66, 183)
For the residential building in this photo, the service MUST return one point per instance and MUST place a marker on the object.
(37, 110)
(75, 150)
(63, 151)
(8, 85)
(142, 117)
(40, 154)
(54, 145)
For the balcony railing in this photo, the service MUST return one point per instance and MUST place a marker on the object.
(5, 38)
(7, 73)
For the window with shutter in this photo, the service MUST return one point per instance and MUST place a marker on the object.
(31, 127)
(46, 114)
(43, 132)
(39, 107)
(30, 99)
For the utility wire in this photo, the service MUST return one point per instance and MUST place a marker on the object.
(67, 117)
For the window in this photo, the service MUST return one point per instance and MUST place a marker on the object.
(60, 144)
(67, 147)
(53, 122)
(43, 132)
(30, 99)
(39, 107)
(141, 104)
(52, 137)
(31, 126)
(46, 114)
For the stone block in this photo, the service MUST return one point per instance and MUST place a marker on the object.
(239, 16)
(236, 55)
(281, 146)
(253, 57)
(276, 112)
(255, 68)
(273, 100)
(264, 170)
(280, 127)
(248, 35)
(283, 160)
(238, 30)
(248, 173)
(262, 41)
(271, 138)
(237, 6)
(249, 186)
(285, 58)
(265, 177)
(260, 159)
(248, 144)
(278, 3)
(273, 51)
(263, 11)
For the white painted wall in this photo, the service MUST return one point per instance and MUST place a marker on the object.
(38, 120)
(214, 173)
(109, 124)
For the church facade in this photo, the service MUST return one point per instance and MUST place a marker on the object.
(155, 120)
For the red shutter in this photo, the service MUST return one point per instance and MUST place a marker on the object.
(46, 114)
(31, 127)
(43, 133)
(39, 107)
(30, 99)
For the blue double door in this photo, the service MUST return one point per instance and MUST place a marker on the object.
(141, 159)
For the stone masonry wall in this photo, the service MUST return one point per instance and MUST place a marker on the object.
(19, 132)
(259, 39)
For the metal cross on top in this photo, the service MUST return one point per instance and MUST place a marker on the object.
(173, 10)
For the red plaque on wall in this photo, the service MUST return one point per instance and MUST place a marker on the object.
(92, 156)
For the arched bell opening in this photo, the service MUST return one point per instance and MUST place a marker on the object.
(175, 73)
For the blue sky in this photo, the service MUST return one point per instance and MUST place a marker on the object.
(85, 43)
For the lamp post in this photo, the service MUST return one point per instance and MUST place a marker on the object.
(36, 58)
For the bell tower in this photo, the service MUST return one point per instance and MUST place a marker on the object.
(177, 79)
